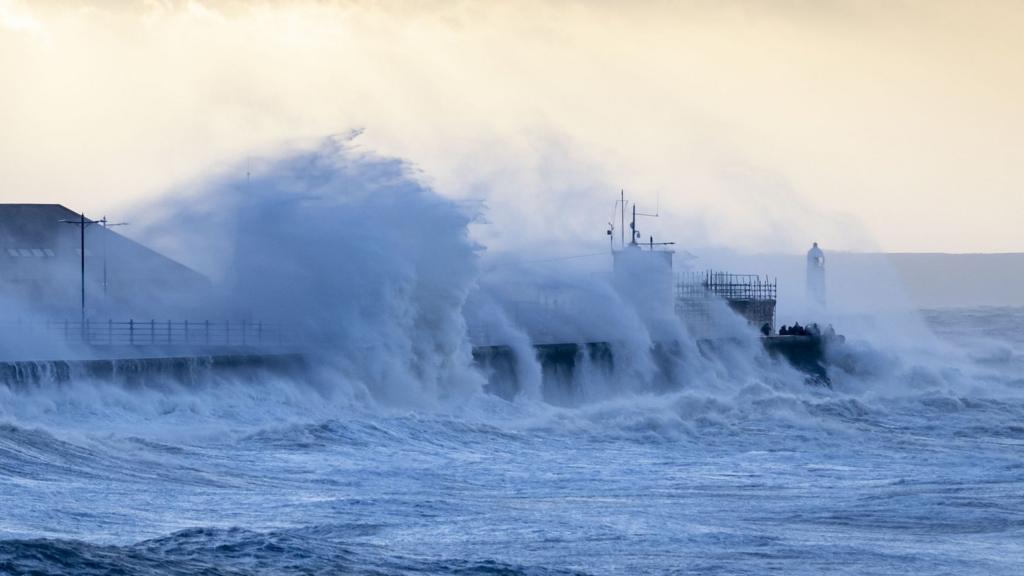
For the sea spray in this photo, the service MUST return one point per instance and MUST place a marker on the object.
(370, 265)
(380, 277)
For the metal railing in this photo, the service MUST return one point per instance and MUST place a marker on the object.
(159, 332)
(731, 287)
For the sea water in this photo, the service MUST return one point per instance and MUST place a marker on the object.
(909, 464)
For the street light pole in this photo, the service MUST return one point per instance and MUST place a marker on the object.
(81, 223)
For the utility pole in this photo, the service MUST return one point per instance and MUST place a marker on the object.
(82, 223)
(107, 225)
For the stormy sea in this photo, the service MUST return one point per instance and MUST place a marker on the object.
(910, 463)
(392, 453)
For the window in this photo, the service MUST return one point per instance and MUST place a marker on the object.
(33, 252)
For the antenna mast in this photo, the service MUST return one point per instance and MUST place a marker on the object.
(632, 228)
(634, 234)
(622, 219)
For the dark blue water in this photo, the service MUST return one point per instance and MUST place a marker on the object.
(911, 464)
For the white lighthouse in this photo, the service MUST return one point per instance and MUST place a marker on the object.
(816, 276)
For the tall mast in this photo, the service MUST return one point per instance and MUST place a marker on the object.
(632, 228)
(622, 219)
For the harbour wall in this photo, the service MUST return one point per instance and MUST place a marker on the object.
(561, 364)
(184, 369)
(565, 365)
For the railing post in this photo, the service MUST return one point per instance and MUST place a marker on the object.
(186, 331)
(131, 332)
(152, 331)
(168, 331)
(110, 331)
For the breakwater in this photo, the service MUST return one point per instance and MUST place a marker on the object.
(560, 364)
(565, 366)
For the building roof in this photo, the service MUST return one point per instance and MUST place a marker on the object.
(37, 231)
(28, 225)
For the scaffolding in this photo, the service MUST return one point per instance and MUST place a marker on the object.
(751, 296)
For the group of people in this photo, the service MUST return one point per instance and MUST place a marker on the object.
(797, 330)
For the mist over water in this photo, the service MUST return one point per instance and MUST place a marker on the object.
(390, 456)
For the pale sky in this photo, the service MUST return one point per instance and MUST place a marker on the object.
(895, 125)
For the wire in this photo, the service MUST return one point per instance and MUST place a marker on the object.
(605, 253)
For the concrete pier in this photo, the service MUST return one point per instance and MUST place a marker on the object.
(559, 363)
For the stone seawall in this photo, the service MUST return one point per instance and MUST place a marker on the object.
(182, 369)
(561, 365)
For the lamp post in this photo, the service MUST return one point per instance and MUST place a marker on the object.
(82, 223)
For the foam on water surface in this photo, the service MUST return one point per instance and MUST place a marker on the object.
(916, 470)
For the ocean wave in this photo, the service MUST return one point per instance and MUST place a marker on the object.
(332, 549)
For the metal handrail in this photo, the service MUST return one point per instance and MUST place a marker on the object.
(154, 332)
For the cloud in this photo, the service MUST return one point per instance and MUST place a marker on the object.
(14, 18)
(901, 118)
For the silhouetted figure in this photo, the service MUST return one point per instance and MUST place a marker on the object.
(797, 330)
(766, 329)
(784, 331)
